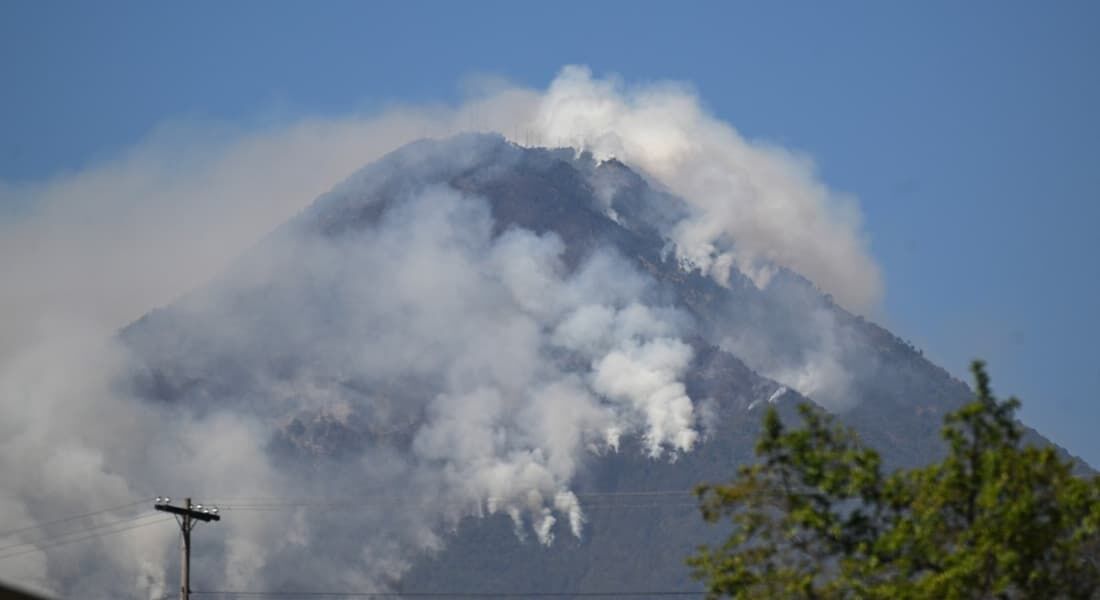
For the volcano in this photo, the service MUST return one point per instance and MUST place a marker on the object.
(485, 368)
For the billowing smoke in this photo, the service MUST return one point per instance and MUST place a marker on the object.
(754, 206)
(477, 368)
(429, 366)
(105, 244)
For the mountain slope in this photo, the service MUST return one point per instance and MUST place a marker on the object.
(354, 379)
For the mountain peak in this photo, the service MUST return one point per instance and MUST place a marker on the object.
(473, 335)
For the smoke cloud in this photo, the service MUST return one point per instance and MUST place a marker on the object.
(754, 206)
(476, 368)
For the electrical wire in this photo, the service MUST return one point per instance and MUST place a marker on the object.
(267, 502)
(9, 532)
(314, 500)
(587, 507)
(259, 504)
(92, 529)
(271, 504)
(49, 538)
(83, 538)
(317, 594)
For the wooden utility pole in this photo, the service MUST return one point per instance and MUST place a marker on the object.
(187, 516)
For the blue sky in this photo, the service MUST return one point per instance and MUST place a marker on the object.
(968, 131)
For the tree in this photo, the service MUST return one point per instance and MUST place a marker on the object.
(816, 516)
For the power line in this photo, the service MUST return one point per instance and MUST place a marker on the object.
(589, 501)
(641, 493)
(261, 504)
(72, 518)
(271, 504)
(268, 502)
(587, 507)
(50, 538)
(316, 594)
(81, 539)
(345, 499)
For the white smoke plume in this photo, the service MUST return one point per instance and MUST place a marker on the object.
(429, 295)
(755, 206)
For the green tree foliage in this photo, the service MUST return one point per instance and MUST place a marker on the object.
(816, 516)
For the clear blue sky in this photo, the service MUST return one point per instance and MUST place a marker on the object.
(969, 131)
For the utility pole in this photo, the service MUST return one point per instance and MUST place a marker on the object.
(187, 516)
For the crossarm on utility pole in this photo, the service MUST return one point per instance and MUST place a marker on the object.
(188, 514)
(191, 512)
